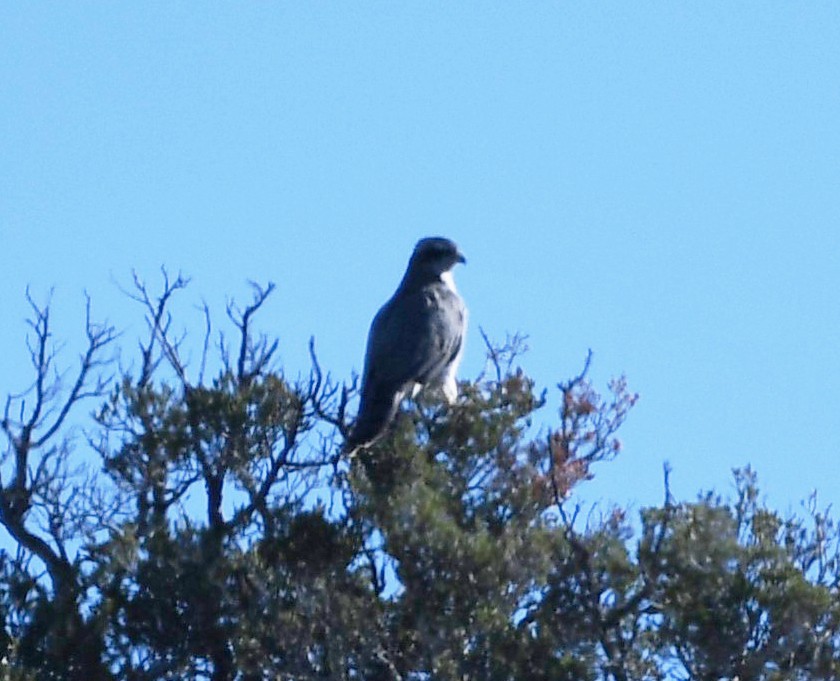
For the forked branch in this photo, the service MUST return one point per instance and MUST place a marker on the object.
(37, 429)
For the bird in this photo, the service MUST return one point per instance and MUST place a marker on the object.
(416, 340)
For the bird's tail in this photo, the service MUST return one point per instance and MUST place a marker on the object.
(376, 411)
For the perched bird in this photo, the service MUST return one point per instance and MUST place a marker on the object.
(415, 340)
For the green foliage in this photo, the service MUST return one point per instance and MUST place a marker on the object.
(221, 534)
(739, 594)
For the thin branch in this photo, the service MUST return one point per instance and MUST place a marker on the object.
(41, 361)
(98, 337)
(322, 391)
(158, 321)
(44, 486)
(502, 357)
(573, 383)
(206, 345)
(260, 354)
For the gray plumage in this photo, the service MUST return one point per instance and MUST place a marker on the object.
(415, 340)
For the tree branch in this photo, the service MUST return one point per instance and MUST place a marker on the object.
(258, 355)
(29, 434)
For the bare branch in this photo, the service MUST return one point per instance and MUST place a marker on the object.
(45, 486)
(98, 337)
(158, 321)
(259, 354)
(502, 357)
(206, 345)
(40, 358)
(577, 380)
(322, 392)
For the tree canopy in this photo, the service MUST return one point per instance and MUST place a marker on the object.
(203, 523)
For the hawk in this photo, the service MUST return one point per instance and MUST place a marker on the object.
(415, 340)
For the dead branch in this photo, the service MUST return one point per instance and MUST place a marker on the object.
(258, 354)
(44, 481)
(158, 321)
(322, 393)
(501, 357)
(206, 345)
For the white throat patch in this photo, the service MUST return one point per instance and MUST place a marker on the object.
(449, 281)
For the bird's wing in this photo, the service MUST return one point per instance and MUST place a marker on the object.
(414, 337)
(388, 359)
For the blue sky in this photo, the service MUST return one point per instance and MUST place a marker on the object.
(655, 181)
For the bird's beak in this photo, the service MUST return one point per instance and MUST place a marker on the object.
(461, 259)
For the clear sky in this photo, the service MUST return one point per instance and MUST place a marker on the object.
(657, 181)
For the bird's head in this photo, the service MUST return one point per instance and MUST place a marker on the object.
(436, 255)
